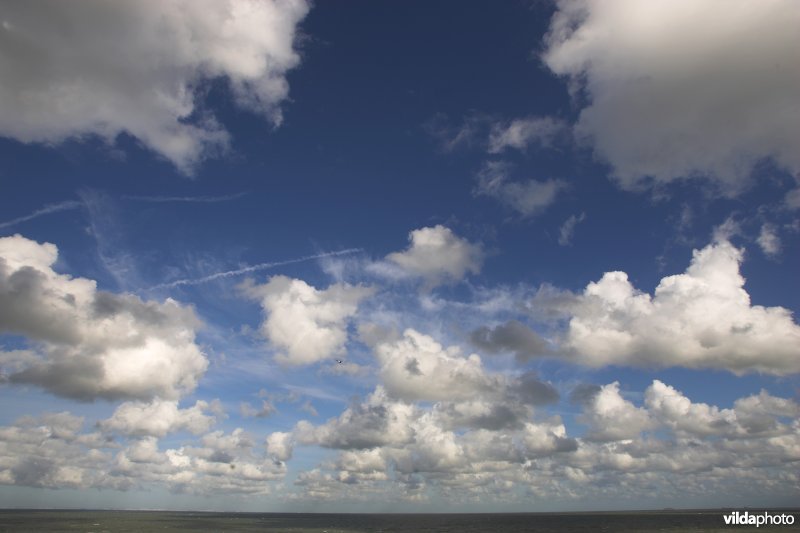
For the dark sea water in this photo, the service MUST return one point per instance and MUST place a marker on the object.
(128, 521)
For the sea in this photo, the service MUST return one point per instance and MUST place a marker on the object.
(129, 521)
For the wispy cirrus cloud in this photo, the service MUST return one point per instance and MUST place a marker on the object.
(186, 199)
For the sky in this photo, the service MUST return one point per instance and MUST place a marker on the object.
(399, 256)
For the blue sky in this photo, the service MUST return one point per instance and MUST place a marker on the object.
(553, 244)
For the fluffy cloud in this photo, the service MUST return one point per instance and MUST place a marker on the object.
(307, 323)
(93, 344)
(513, 336)
(91, 67)
(610, 417)
(378, 421)
(222, 464)
(683, 89)
(625, 448)
(754, 415)
(280, 446)
(158, 418)
(527, 198)
(702, 318)
(387, 447)
(435, 254)
(416, 367)
(521, 133)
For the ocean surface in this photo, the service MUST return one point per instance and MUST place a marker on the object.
(128, 521)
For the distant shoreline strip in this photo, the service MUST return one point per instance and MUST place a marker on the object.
(254, 268)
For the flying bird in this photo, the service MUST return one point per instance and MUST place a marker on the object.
(339, 361)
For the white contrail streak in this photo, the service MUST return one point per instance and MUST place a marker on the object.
(188, 199)
(254, 268)
(46, 210)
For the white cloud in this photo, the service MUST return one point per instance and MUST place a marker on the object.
(521, 133)
(528, 198)
(702, 318)
(107, 68)
(416, 367)
(677, 412)
(435, 254)
(307, 323)
(280, 446)
(683, 89)
(769, 241)
(93, 344)
(611, 417)
(390, 448)
(158, 418)
(377, 421)
(568, 229)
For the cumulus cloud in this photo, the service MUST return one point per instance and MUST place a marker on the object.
(514, 337)
(377, 421)
(158, 418)
(669, 439)
(222, 464)
(681, 89)
(100, 68)
(435, 254)
(93, 344)
(528, 198)
(521, 133)
(246, 409)
(610, 417)
(280, 446)
(416, 367)
(306, 323)
(388, 447)
(702, 318)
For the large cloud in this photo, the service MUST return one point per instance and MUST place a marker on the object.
(92, 344)
(307, 323)
(106, 68)
(683, 89)
(702, 318)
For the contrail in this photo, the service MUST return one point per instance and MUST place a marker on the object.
(46, 210)
(192, 199)
(254, 268)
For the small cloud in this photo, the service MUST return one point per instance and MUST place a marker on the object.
(521, 133)
(769, 241)
(528, 198)
(247, 410)
(435, 254)
(568, 229)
